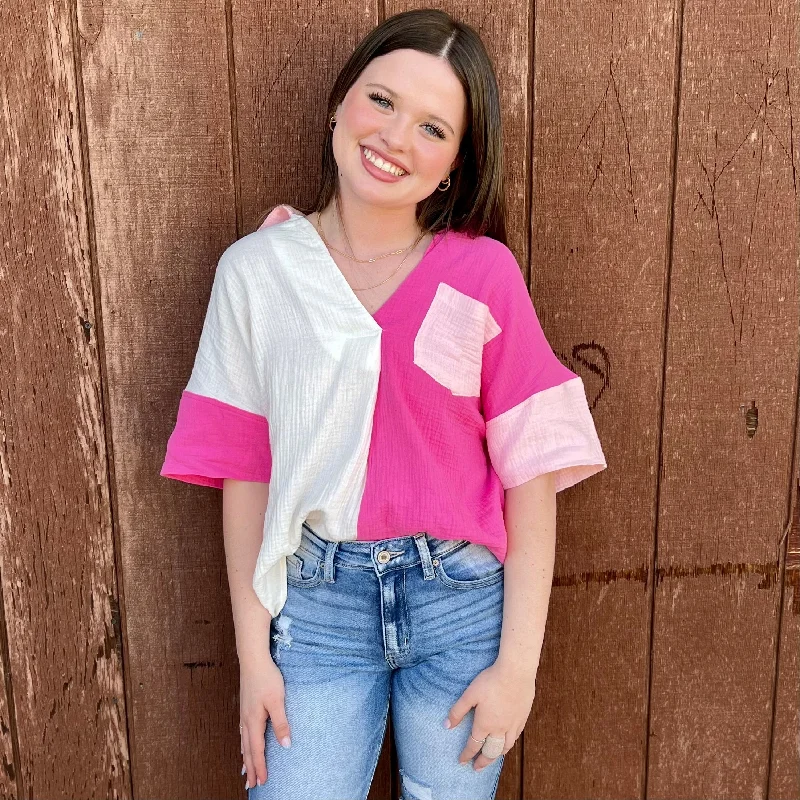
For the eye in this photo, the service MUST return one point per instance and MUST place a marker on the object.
(379, 97)
(436, 129)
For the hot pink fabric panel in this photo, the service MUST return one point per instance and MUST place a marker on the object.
(213, 440)
(430, 466)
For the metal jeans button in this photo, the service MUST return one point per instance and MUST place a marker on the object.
(384, 556)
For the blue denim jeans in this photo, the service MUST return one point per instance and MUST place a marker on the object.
(401, 625)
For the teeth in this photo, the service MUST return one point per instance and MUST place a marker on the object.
(381, 164)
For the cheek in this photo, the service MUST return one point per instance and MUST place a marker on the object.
(433, 161)
(359, 118)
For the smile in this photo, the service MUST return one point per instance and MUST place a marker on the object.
(386, 166)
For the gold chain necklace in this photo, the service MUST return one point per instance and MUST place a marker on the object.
(397, 252)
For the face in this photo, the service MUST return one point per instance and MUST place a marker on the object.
(409, 109)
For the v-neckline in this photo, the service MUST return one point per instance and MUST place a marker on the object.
(371, 317)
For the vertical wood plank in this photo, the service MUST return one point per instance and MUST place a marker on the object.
(59, 594)
(784, 781)
(732, 343)
(602, 176)
(159, 129)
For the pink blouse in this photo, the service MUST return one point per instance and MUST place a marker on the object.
(416, 418)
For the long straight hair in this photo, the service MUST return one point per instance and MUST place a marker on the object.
(475, 202)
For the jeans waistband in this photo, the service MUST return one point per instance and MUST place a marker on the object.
(383, 555)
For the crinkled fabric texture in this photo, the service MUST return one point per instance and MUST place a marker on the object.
(368, 427)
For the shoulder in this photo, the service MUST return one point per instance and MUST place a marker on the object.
(265, 248)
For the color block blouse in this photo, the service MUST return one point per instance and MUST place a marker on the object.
(368, 427)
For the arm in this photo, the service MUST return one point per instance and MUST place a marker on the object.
(244, 504)
(261, 688)
(530, 518)
(503, 693)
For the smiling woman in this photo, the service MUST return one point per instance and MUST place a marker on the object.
(371, 387)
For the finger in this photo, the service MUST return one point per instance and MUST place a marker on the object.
(483, 760)
(460, 708)
(471, 748)
(248, 761)
(280, 724)
(257, 756)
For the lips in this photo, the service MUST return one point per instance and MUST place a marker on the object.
(386, 158)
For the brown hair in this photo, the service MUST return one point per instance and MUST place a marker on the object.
(475, 202)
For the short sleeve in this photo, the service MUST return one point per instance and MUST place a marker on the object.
(537, 415)
(221, 429)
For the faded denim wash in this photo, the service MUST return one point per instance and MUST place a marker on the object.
(400, 625)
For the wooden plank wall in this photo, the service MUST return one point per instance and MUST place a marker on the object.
(652, 184)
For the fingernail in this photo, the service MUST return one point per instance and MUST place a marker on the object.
(286, 741)
(447, 723)
(244, 769)
(246, 785)
(478, 769)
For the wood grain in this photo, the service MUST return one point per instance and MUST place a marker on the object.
(603, 132)
(63, 731)
(732, 341)
(159, 134)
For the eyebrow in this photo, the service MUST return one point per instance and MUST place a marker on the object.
(430, 116)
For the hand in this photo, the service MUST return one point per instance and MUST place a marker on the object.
(262, 694)
(503, 697)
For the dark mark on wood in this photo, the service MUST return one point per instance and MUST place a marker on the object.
(580, 357)
(198, 664)
(640, 574)
(87, 328)
(750, 418)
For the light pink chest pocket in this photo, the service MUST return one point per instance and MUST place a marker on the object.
(449, 343)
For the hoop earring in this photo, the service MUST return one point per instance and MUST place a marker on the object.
(446, 183)
(332, 122)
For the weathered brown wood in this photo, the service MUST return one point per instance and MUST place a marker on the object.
(604, 89)
(784, 781)
(156, 80)
(64, 651)
(168, 184)
(732, 342)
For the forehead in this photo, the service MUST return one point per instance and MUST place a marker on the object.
(418, 79)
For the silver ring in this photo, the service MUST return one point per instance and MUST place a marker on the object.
(493, 746)
(479, 741)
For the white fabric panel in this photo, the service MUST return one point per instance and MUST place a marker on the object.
(300, 311)
(551, 431)
(450, 340)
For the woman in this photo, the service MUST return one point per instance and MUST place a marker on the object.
(375, 396)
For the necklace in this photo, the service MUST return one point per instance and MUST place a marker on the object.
(347, 239)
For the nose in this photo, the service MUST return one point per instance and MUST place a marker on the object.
(396, 134)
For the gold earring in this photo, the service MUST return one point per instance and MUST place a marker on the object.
(332, 122)
(446, 183)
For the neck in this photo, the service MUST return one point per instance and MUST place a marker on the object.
(372, 230)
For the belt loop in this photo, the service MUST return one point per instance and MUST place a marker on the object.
(330, 552)
(425, 554)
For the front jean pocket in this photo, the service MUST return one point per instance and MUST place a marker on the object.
(469, 567)
(304, 569)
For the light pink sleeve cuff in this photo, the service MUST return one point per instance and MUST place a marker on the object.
(214, 440)
(551, 431)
